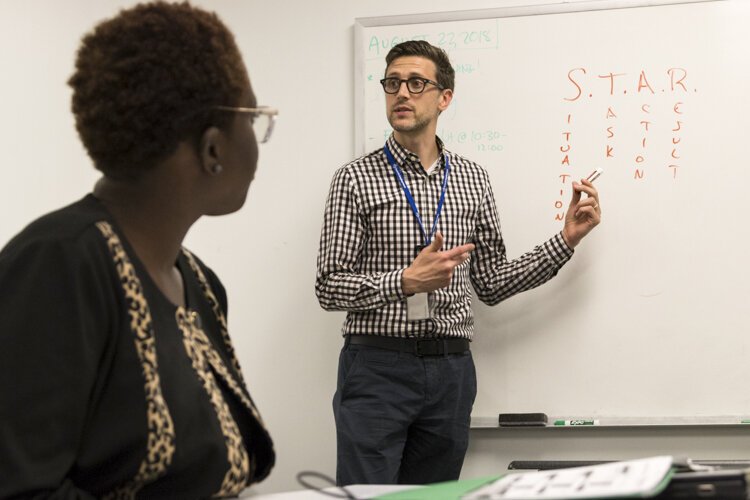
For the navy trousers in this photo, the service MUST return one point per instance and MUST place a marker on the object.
(401, 418)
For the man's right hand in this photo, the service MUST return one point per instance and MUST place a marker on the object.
(433, 269)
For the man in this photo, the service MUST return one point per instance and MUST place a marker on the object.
(406, 228)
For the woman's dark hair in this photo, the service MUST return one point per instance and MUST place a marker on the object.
(146, 79)
(446, 75)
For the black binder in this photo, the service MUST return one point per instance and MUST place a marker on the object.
(702, 485)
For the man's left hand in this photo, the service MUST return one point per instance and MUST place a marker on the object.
(583, 214)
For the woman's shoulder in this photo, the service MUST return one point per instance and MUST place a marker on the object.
(73, 226)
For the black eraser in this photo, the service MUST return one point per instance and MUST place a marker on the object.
(522, 419)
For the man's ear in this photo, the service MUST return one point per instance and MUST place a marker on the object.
(210, 150)
(445, 99)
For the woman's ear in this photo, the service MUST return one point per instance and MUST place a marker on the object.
(210, 151)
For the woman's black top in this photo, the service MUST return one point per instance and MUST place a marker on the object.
(107, 389)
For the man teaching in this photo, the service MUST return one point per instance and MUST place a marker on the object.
(406, 229)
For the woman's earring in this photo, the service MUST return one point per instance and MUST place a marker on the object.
(216, 169)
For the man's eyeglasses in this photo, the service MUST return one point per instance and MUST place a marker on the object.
(414, 85)
(262, 119)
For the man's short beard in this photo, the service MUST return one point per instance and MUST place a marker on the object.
(415, 127)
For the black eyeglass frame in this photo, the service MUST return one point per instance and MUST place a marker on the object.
(401, 81)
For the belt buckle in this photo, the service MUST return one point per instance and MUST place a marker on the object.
(426, 342)
(417, 352)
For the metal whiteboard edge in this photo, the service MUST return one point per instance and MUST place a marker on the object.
(517, 11)
(359, 92)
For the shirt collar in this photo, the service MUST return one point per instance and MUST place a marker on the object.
(405, 157)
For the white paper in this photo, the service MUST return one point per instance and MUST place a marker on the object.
(634, 478)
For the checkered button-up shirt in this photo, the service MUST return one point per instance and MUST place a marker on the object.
(370, 234)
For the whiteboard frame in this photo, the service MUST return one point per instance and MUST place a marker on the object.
(361, 23)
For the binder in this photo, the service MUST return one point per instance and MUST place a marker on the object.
(640, 478)
(717, 484)
(675, 484)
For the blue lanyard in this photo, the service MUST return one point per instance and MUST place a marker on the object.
(410, 198)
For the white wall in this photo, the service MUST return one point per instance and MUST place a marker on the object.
(300, 58)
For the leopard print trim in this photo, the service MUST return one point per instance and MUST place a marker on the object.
(161, 433)
(214, 358)
(202, 355)
(218, 312)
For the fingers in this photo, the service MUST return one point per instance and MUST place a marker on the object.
(592, 201)
(433, 269)
(576, 194)
(460, 253)
(446, 262)
(588, 212)
(436, 244)
(586, 187)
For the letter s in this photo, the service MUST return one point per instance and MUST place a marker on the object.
(578, 87)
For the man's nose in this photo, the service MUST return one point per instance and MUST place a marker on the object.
(403, 90)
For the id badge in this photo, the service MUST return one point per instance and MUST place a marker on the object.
(417, 307)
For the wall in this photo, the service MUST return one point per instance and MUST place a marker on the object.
(300, 58)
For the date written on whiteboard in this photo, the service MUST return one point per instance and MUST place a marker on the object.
(477, 35)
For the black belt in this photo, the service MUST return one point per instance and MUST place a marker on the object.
(419, 347)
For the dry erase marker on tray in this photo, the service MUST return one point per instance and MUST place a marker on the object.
(575, 422)
(595, 174)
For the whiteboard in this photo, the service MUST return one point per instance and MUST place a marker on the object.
(649, 318)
